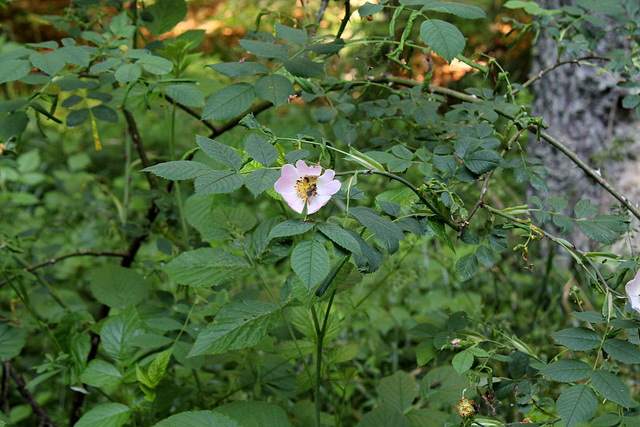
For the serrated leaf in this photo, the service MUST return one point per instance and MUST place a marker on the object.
(260, 180)
(467, 266)
(261, 150)
(117, 331)
(383, 415)
(100, 373)
(584, 209)
(567, 371)
(240, 324)
(303, 67)
(275, 88)
(398, 391)
(166, 15)
(443, 38)
(104, 113)
(291, 227)
(13, 69)
(220, 152)
(565, 223)
(13, 124)
(339, 236)
(614, 223)
(240, 69)
(558, 203)
(485, 256)
(459, 9)
(589, 316)
(186, 95)
(622, 351)
(255, 414)
(218, 182)
(462, 361)
(155, 64)
(198, 419)
(595, 231)
(12, 339)
(442, 385)
(49, 62)
(128, 73)
(425, 352)
(178, 170)
(483, 161)
(229, 102)
(576, 405)
(577, 339)
(612, 388)
(369, 9)
(77, 117)
(327, 48)
(264, 50)
(206, 267)
(310, 262)
(292, 35)
(105, 415)
(118, 287)
(388, 232)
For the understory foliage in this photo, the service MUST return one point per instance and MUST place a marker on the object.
(153, 276)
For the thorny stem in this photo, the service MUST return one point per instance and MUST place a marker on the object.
(43, 417)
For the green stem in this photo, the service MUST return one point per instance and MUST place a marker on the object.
(183, 221)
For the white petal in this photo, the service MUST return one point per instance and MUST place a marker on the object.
(316, 203)
(632, 289)
(305, 170)
(294, 202)
(287, 181)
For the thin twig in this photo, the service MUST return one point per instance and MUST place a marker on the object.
(541, 74)
(345, 20)
(319, 16)
(59, 258)
(479, 203)
(43, 417)
(137, 141)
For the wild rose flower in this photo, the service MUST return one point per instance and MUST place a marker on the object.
(633, 292)
(302, 185)
(465, 408)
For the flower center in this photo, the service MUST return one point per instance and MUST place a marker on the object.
(307, 187)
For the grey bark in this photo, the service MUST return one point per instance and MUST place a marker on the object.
(582, 108)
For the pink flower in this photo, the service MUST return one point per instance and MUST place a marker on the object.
(302, 185)
(633, 292)
(455, 342)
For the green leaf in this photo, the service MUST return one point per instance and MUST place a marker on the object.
(229, 102)
(100, 373)
(303, 67)
(462, 361)
(614, 223)
(158, 366)
(186, 95)
(383, 415)
(13, 69)
(206, 267)
(565, 223)
(558, 203)
(577, 339)
(50, 62)
(425, 352)
(589, 316)
(612, 388)
(128, 73)
(240, 69)
(261, 180)
(485, 256)
(218, 182)
(290, 227)
(155, 64)
(118, 287)
(621, 350)
(388, 232)
(11, 340)
(369, 9)
(255, 414)
(339, 236)
(459, 9)
(483, 161)
(220, 152)
(467, 266)
(275, 88)
(166, 15)
(178, 170)
(567, 371)
(264, 50)
(117, 332)
(442, 385)
(327, 48)
(105, 415)
(584, 209)
(443, 38)
(240, 324)
(14, 124)
(292, 35)
(458, 321)
(104, 113)
(398, 391)
(310, 262)
(576, 405)
(198, 419)
(595, 231)
(261, 150)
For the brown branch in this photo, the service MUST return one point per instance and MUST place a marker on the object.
(541, 74)
(52, 261)
(137, 141)
(43, 417)
(190, 111)
(319, 16)
(479, 203)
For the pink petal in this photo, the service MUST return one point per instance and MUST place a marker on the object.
(305, 170)
(632, 289)
(327, 186)
(287, 181)
(294, 202)
(316, 203)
